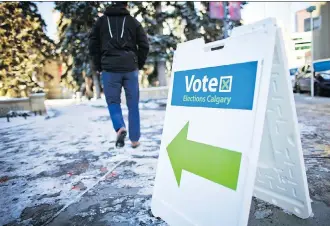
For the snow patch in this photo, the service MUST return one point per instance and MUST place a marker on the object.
(306, 129)
(260, 214)
(287, 212)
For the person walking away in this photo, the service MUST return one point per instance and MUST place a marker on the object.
(118, 46)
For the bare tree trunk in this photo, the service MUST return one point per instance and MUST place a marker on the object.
(96, 83)
(161, 68)
(95, 75)
(97, 87)
(88, 84)
(161, 64)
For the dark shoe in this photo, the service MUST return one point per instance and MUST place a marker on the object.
(120, 142)
(135, 144)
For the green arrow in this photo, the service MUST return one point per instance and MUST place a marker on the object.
(213, 163)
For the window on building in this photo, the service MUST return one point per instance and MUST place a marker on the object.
(316, 23)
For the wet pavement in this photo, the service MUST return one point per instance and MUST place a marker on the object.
(66, 171)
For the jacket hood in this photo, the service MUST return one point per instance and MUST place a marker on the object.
(116, 11)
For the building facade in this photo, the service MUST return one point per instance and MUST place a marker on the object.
(321, 31)
(301, 44)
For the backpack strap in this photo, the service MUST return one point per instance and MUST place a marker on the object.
(122, 28)
(109, 28)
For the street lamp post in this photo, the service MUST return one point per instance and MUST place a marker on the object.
(310, 10)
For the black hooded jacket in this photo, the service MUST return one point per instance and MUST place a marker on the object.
(128, 47)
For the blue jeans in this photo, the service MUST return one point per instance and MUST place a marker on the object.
(112, 86)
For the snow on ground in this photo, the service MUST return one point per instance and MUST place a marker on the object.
(64, 170)
(50, 161)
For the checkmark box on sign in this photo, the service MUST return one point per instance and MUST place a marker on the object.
(225, 84)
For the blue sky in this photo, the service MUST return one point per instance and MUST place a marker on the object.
(283, 11)
(46, 11)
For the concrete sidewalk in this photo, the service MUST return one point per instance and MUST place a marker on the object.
(66, 171)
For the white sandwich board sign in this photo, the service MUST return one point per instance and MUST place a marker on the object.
(230, 132)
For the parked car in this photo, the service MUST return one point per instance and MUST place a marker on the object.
(321, 82)
(293, 73)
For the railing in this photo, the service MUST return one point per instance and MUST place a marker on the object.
(150, 93)
(34, 103)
